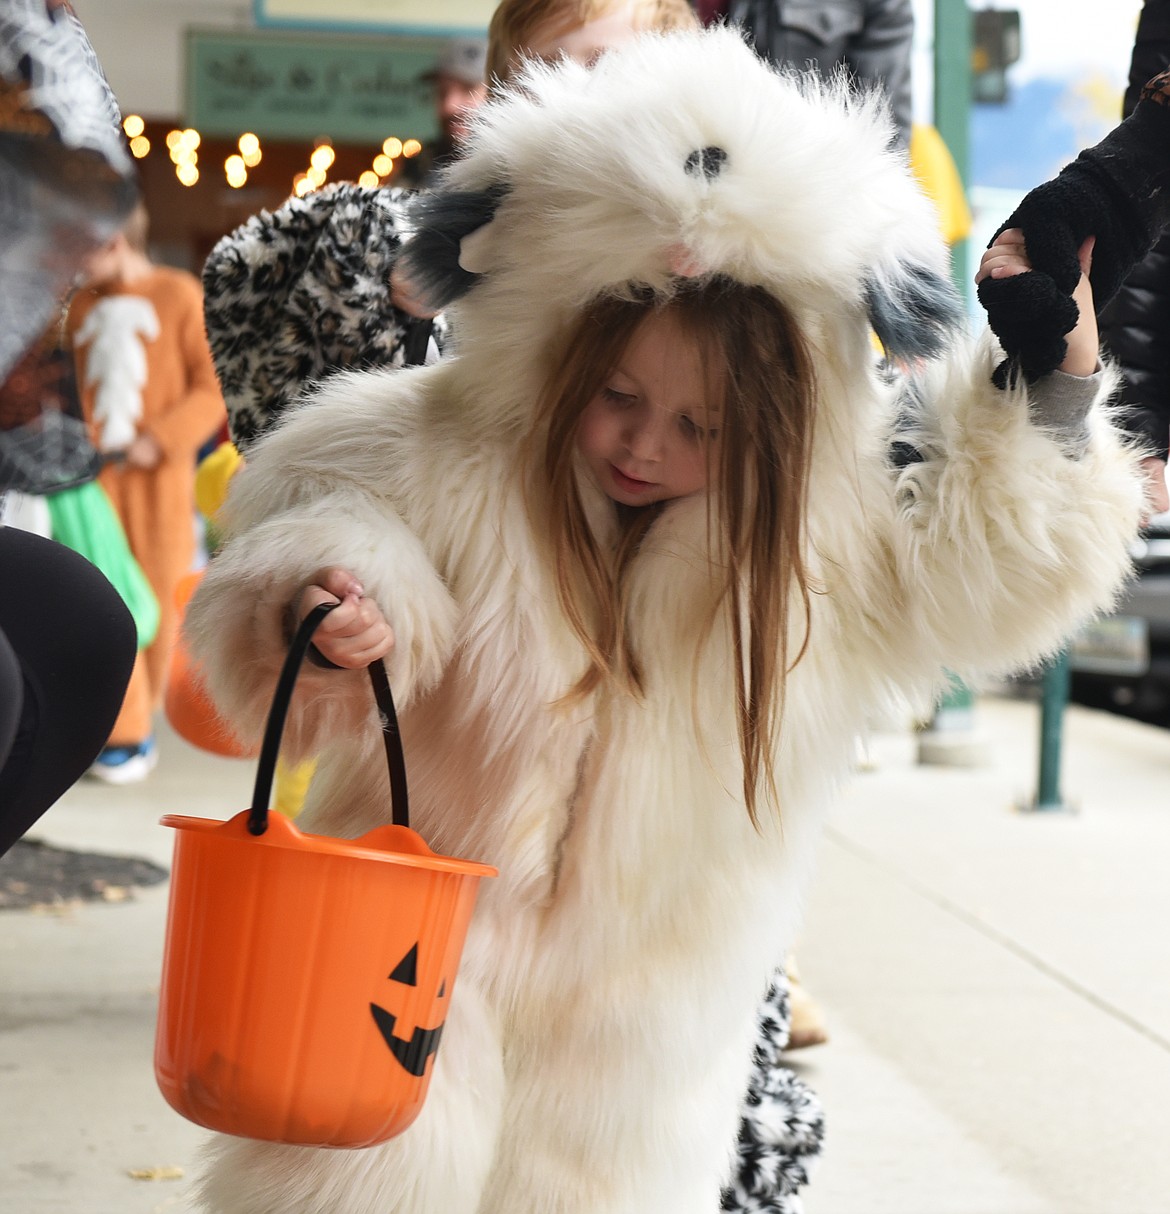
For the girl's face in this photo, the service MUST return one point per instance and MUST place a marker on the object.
(645, 435)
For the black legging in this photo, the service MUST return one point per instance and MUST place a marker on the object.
(67, 646)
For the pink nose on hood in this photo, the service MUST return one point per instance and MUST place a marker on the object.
(684, 262)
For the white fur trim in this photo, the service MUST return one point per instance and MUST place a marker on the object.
(115, 364)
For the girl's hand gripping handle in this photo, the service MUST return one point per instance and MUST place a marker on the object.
(355, 633)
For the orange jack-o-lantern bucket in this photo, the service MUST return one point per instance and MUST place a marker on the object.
(306, 979)
(187, 705)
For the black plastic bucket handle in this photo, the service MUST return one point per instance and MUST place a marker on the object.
(270, 748)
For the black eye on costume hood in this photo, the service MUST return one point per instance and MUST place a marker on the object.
(708, 161)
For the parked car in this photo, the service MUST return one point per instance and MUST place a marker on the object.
(1123, 659)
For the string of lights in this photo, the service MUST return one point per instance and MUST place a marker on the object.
(183, 150)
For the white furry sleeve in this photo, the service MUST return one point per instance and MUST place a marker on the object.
(1014, 526)
(237, 621)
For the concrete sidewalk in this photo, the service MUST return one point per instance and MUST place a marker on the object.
(997, 986)
(79, 1109)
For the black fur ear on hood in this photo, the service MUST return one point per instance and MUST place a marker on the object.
(915, 314)
(441, 219)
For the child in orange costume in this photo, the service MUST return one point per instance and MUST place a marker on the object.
(149, 390)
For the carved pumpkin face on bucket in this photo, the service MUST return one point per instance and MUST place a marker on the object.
(429, 990)
(350, 1068)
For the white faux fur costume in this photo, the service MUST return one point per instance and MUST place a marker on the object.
(599, 1039)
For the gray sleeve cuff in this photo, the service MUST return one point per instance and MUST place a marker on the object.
(1060, 404)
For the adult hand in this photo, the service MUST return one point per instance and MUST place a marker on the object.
(1115, 191)
(1157, 498)
(1026, 308)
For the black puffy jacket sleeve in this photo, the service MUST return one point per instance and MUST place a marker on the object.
(1135, 327)
(1135, 330)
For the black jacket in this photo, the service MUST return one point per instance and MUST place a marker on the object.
(1135, 327)
(873, 39)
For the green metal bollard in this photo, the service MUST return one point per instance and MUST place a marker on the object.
(953, 24)
(1054, 689)
(956, 705)
(952, 737)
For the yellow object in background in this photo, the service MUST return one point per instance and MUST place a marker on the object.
(934, 166)
(292, 785)
(213, 476)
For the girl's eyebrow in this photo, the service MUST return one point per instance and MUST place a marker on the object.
(712, 414)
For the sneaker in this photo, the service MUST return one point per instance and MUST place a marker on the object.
(125, 764)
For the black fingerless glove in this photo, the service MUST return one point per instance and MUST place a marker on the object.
(1116, 191)
(1030, 315)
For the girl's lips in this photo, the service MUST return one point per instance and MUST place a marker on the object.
(631, 484)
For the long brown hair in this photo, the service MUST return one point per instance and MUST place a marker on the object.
(758, 478)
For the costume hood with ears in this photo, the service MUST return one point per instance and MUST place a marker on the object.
(677, 156)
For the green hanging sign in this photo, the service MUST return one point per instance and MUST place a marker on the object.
(467, 17)
(301, 86)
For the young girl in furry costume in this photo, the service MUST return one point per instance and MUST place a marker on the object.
(643, 555)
